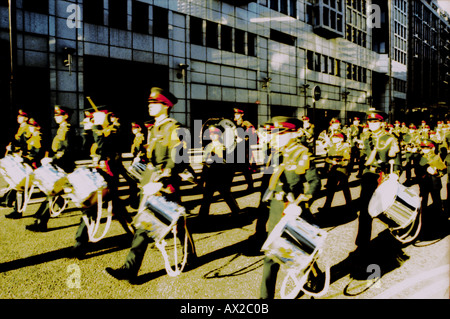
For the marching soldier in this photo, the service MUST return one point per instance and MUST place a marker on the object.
(410, 146)
(107, 161)
(307, 137)
(338, 158)
(216, 174)
(17, 146)
(355, 132)
(62, 155)
(430, 168)
(137, 148)
(445, 151)
(245, 138)
(286, 185)
(31, 156)
(380, 148)
(162, 139)
(87, 135)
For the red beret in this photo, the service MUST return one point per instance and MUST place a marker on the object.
(236, 110)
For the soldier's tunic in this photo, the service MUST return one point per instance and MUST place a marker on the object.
(33, 154)
(137, 148)
(379, 148)
(63, 148)
(307, 138)
(20, 139)
(289, 177)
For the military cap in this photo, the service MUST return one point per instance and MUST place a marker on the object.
(22, 113)
(238, 110)
(158, 95)
(135, 125)
(305, 118)
(338, 134)
(62, 110)
(214, 130)
(334, 120)
(287, 124)
(427, 143)
(375, 115)
(412, 126)
(32, 122)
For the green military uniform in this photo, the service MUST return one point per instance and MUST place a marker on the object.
(338, 158)
(445, 151)
(62, 155)
(109, 166)
(379, 148)
(216, 175)
(286, 184)
(18, 145)
(137, 147)
(410, 147)
(430, 182)
(28, 144)
(162, 157)
(354, 137)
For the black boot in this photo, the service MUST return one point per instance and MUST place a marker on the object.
(14, 215)
(122, 273)
(37, 226)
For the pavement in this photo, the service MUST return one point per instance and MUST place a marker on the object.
(38, 265)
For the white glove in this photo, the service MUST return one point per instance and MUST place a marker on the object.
(431, 170)
(46, 160)
(292, 210)
(394, 176)
(136, 160)
(152, 188)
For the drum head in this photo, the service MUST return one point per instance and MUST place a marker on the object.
(383, 197)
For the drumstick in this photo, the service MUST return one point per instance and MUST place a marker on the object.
(92, 103)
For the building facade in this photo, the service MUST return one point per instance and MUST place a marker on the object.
(265, 56)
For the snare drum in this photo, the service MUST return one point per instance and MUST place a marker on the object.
(400, 205)
(16, 172)
(137, 170)
(294, 242)
(50, 179)
(159, 217)
(86, 183)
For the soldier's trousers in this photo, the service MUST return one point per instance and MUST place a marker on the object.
(119, 211)
(140, 243)
(369, 184)
(337, 179)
